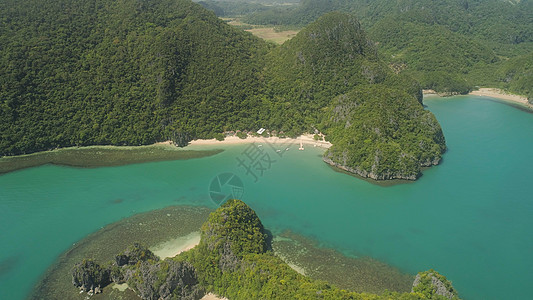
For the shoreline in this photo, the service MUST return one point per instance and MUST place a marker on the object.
(305, 139)
(502, 95)
(170, 226)
(496, 93)
(430, 93)
(109, 155)
(176, 229)
(177, 245)
(101, 156)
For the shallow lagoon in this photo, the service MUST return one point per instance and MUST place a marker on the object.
(469, 218)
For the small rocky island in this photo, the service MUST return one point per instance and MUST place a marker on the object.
(394, 140)
(232, 260)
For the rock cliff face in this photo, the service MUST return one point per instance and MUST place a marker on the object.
(165, 280)
(90, 277)
(134, 254)
(369, 174)
(144, 272)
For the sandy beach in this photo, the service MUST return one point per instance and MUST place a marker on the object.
(306, 139)
(500, 94)
(429, 93)
(211, 296)
(175, 246)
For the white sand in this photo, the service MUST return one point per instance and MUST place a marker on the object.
(166, 143)
(121, 287)
(306, 139)
(497, 93)
(175, 246)
(210, 296)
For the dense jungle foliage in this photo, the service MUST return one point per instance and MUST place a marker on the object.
(450, 46)
(121, 72)
(401, 139)
(232, 260)
(132, 73)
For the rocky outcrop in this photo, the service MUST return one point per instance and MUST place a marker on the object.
(165, 279)
(134, 254)
(388, 175)
(90, 277)
(181, 281)
(232, 231)
(372, 175)
(431, 283)
(144, 272)
(228, 260)
(383, 133)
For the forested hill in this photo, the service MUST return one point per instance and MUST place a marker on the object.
(448, 45)
(121, 72)
(376, 122)
(131, 73)
(504, 21)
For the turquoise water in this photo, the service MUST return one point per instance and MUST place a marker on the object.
(469, 218)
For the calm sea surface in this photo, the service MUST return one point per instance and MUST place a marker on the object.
(470, 218)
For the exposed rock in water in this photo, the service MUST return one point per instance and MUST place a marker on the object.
(431, 283)
(90, 276)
